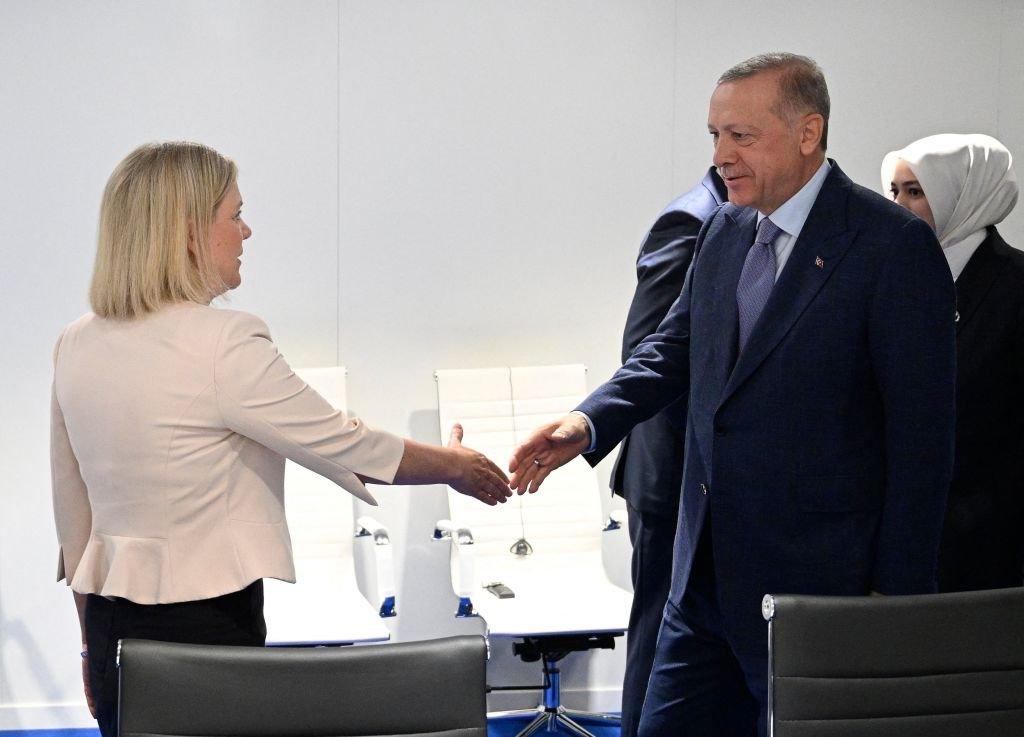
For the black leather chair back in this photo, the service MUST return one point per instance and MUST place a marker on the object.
(433, 688)
(945, 665)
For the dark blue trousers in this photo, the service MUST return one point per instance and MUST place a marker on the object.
(652, 536)
(700, 687)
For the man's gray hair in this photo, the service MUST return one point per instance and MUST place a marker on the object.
(802, 87)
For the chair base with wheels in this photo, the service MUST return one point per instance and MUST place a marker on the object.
(551, 716)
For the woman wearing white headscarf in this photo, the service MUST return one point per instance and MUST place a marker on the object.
(963, 185)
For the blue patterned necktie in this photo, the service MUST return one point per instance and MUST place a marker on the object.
(757, 278)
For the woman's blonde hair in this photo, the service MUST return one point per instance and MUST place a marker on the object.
(159, 196)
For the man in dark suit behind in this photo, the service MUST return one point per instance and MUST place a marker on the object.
(649, 469)
(815, 337)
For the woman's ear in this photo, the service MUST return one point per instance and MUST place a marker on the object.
(811, 128)
(193, 246)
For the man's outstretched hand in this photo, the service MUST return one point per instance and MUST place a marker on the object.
(549, 447)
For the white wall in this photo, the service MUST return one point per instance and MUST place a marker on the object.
(431, 185)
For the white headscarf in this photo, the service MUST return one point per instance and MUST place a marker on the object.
(968, 180)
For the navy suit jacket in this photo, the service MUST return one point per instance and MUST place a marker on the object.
(649, 469)
(823, 454)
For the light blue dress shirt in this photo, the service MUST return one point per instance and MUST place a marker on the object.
(792, 214)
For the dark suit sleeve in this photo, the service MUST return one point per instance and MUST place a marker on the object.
(660, 271)
(912, 345)
(656, 374)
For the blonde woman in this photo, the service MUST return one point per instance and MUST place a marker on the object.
(963, 186)
(171, 421)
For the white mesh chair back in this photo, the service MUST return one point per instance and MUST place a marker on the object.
(481, 401)
(558, 529)
(565, 516)
(324, 605)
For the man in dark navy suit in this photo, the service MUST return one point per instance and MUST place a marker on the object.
(649, 469)
(815, 337)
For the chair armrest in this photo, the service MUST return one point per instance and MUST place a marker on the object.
(443, 529)
(463, 566)
(367, 527)
(616, 519)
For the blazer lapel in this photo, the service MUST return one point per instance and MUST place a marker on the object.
(976, 279)
(823, 241)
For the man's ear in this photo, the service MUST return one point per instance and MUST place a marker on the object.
(812, 126)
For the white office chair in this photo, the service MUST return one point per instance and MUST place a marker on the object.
(325, 605)
(543, 551)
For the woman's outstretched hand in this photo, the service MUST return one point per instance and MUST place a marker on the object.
(549, 447)
(475, 475)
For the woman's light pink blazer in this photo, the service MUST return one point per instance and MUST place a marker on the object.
(169, 435)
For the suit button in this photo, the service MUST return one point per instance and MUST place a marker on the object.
(704, 489)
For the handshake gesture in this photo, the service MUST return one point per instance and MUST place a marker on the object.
(549, 447)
